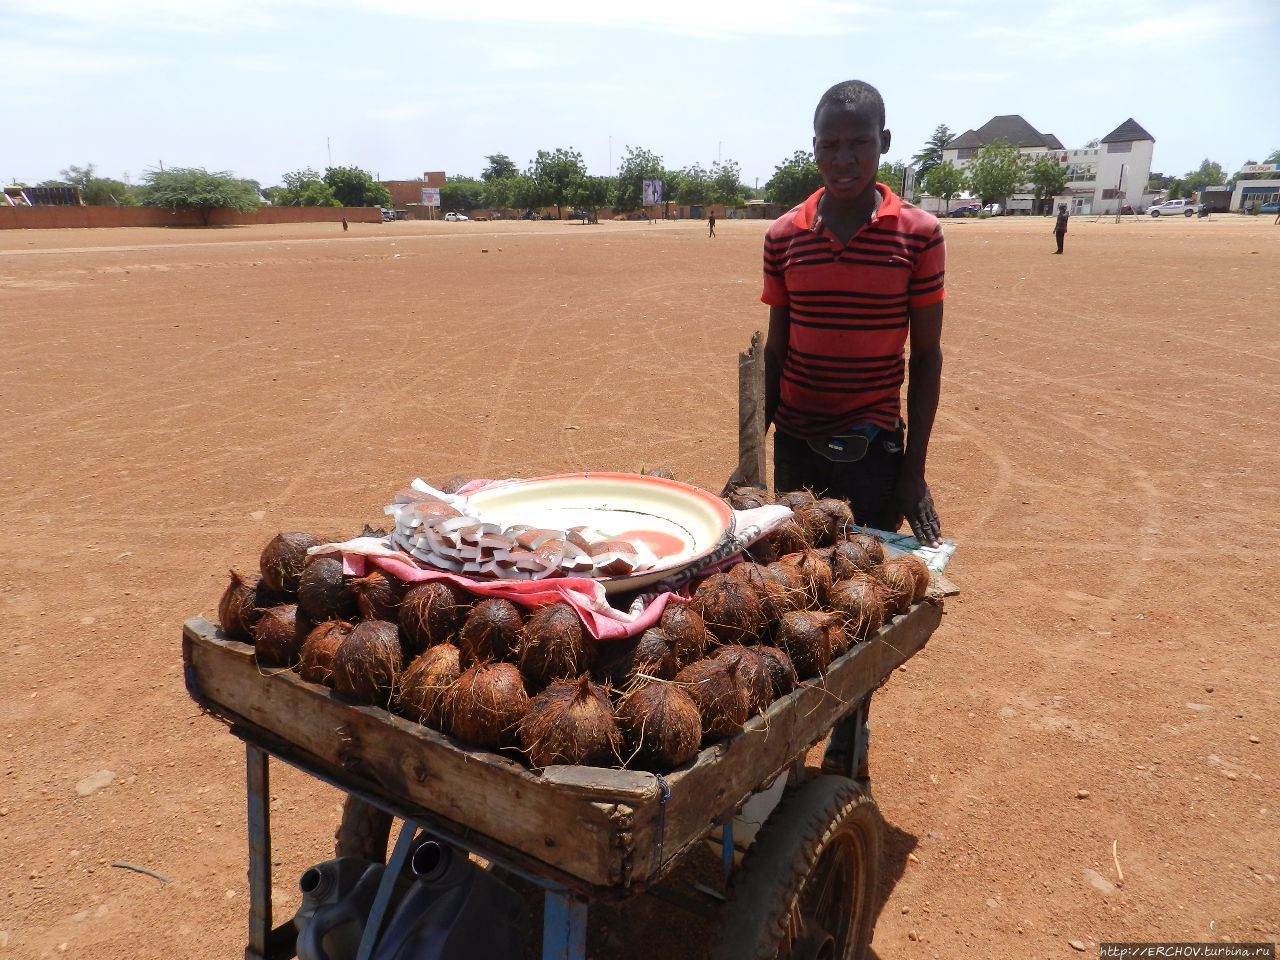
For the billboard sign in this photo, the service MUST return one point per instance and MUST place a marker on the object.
(652, 192)
(1260, 168)
(431, 196)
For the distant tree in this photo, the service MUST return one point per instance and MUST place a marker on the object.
(890, 174)
(501, 167)
(194, 188)
(462, 194)
(354, 187)
(303, 188)
(552, 172)
(944, 180)
(1209, 174)
(637, 166)
(693, 186)
(1047, 177)
(590, 193)
(726, 183)
(95, 191)
(1272, 157)
(1159, 181)
(930, 154)
(1092, 143)
(996, 171)
(793, 180)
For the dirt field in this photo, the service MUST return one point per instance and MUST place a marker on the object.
(1106, 456)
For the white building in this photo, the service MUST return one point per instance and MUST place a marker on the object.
(1099, 178)
(1258, 189)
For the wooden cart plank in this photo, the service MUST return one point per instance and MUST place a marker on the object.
(724, 776)
(579, 824)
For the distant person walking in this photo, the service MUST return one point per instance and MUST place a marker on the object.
(711, 224)
(1060, 226)
(344, 225)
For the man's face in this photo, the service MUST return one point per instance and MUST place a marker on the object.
(848, 144)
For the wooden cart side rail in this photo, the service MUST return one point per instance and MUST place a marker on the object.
(723, 777)
(575, 819)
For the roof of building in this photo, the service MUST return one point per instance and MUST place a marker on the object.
(1010, 128)
(965, 140)
(1128, 131)
(1052, 142)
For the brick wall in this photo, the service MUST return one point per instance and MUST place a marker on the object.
(44, 218)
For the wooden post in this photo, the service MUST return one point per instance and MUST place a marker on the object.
(258, 785)
(751, 429)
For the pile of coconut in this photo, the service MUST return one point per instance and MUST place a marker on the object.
(535, 684)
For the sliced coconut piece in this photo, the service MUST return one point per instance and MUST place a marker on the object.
(551, 551)
(476, 531)
(533, 539)
(575, 559)
(497, 541)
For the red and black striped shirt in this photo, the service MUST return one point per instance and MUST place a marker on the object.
(849, 307)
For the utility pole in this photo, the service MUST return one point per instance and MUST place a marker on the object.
(611, 156)
(329, 147)
(719, 147)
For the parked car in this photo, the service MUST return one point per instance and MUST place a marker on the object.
(388, 215)
(994, 209)
(451, 215)
(1125, 209)
(1272, 206)
(1171, 208)
(968, 210)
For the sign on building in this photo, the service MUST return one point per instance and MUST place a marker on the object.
(431, 196)
(1260, 168)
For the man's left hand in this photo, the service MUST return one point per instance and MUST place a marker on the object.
(913, 499)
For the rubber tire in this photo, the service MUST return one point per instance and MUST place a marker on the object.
(1155, 213)
(1188, 213)
(363, 833)
(779, 863)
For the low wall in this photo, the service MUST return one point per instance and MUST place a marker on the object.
(46, 218)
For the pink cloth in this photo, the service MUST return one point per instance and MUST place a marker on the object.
(587, 597)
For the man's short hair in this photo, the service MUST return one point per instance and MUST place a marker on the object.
(852, 95)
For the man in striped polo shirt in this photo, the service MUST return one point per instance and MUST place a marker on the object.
(849, 276)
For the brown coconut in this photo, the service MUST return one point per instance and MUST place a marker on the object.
(555, 645)
(484, 707)
(852, 557)
(431, 613)
(818, 529)
(239, 608)
(815, 576)
(423, 686)
(278, 635)
(324, 593)
(731, 610)
(687, 630)
(782, 672)
(378, 596)
(283, 560)
(493, 630)
(722, 702)
(790, 537)
(900, 587)
(316, 662)
(660, 726)
(872, 544)
(747, 498)
(812, 639)
(571, 722)
(796, 498)
(919, 574)
(650, 655)
(860, 600)
(368, 662)
(838, 518)
(752, 672)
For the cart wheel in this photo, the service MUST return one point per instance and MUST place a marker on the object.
(807, 889)
(364, 831)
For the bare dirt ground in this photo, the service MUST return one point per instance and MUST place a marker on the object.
(1106, 455)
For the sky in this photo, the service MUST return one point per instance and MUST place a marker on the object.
(399, 87)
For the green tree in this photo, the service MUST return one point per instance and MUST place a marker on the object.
(944, 180)
(354, 187)
(1047, 177)
(462, 194)
(726, 183)
(794, 179)
(890, 174)
(500, 167)
(194, 188)
(498, 193)
(637, 166)
(590, 194)
(693, 186)
(95, 191)
(930, 154)
(996, 171)
(1209, 174)
(1273, 157)
(553, 172)
(303, 188)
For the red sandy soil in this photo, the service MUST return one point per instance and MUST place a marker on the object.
(1105, 455)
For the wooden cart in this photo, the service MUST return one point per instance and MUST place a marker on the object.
(805, 889)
